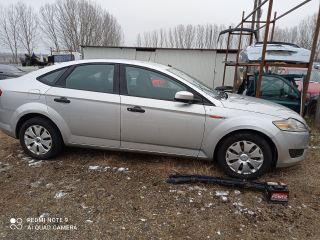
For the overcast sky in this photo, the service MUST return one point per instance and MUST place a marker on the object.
(138, 16)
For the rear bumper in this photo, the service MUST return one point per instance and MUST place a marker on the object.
(7, 130)
(6, 123)
(291, 140)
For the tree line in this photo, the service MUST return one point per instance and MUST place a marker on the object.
(68, 24)
(206, 36)
(64, 24)
(187, 36)
(302, 34)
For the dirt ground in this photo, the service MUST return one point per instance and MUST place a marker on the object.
(93, 194)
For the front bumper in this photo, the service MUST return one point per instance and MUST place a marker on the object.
(290, 140)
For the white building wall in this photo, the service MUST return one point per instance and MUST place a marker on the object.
(113, 53)
(205, 65)
(199, 64)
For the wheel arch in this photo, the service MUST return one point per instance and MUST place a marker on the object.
(28, 116)
(267, 138)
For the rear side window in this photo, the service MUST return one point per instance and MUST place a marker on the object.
(52, 77)
(93, 77)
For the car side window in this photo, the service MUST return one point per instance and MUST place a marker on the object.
(149, 84)
(52, 77)
(91, 77)
(275, 88)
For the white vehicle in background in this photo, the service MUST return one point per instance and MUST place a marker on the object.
(277, 52)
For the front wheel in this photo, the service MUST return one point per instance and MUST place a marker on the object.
(244, 155)
(40, 138)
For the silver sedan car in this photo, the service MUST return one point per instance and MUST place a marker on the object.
(147, 107)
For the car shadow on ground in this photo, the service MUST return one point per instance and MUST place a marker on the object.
(158, 163)
(152, 162)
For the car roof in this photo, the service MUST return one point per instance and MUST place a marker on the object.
(152, 65)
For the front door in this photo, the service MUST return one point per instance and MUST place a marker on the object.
(279, 90)
(150, 118)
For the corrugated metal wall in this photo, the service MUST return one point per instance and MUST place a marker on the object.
(205, 65)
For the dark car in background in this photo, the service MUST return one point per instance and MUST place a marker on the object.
(274, 88)
(10, 71)
(296, 75)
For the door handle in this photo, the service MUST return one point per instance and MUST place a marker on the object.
(136, 109)
(62, 100)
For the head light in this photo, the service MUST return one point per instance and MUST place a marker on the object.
(291, 125)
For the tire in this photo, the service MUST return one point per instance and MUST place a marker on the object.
(244, 155)
(40, 139)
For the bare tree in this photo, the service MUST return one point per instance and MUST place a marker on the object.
(9, 30)
(162, 38)
(79, 23)
(302, 34)
(139, 41)
(49, 24)
(184, 36)
(306, 29)
(28, 23)
(171, 41)
(68, 27)
(154, 39)
(111, 29)
(206, 36)
(199, 37)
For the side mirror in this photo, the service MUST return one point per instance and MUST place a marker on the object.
(184, 96)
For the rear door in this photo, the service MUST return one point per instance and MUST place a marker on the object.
(86, 100)
(150, 118)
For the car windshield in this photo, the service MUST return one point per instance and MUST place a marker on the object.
(194, 82)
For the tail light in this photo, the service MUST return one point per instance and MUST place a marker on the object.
(0, 92)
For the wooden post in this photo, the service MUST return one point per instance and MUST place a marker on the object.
(265, 42)
(235, 85)
(253, 21)
(307, 79)
(317, 116)
(273, 26)
(310, 65)
(225, 64)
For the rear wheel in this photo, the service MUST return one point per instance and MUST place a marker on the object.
(244, 155)
(40, 138)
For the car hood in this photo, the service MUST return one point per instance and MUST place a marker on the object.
(252, 104)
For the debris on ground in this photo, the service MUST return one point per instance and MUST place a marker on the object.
(125, 196)
(4, 167)
(60, 194)
(106, 168)
(94, 167)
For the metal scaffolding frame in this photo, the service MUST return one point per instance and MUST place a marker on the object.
(263, 64)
